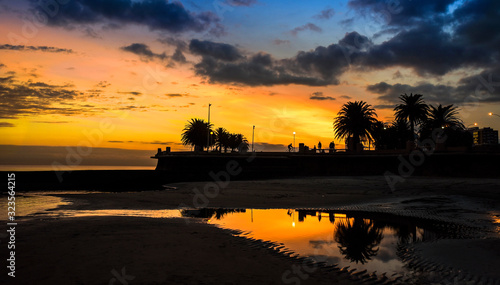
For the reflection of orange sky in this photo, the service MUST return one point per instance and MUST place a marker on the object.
(312, 237)
(275, 224)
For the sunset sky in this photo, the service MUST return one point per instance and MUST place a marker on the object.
(129, 74)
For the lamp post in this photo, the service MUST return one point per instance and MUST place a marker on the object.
(208, 132)
(293, 141)
(253, 135)
(492, 114)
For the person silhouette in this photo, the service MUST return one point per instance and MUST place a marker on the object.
(290, 148)
(319, 145)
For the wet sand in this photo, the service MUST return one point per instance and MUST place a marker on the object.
(170, 251)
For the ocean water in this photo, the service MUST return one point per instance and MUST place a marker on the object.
(77, 167)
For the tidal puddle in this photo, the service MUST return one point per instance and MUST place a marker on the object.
(358, 240)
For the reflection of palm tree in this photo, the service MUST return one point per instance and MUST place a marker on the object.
(357, 240)
(209, 213)
(195, 133)
(355, 121)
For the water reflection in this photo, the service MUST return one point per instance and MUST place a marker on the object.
(358, 239)
(208, 213)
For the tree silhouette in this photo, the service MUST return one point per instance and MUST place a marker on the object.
(355, 121)
(446, 118)
(357, 240)
(221, 139)
(393, 136)
(242, 143)
(413, 109)
(238, 141)
(195, 133)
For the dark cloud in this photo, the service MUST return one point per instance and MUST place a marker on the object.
(320, 96)
(430, 41)
(35, 48)
(402, 12)
(426, 49)
(6, 125)
(218, 51)
(325, 14)
(246, 3)
(223, 63)
(306, 27)
(346, 97)
(156, 15)
(477, 23)
(143, 51)
(482, 87)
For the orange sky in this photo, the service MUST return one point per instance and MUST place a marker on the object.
(103, 77)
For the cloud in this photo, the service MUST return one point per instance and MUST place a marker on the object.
(219, 51)
(28, 98)
(245, 3)
(402, 13)
(281, 42)
(103, 84)
(320, 96)
(6, 125)
(178, 56)
(434, 46)
(172, 95)
(411, 49)
(143, 51)
(346, 97)
(35, 48)
(325, 14)
(482, 87)
(306, 27)
(156, 15)
(224, 63)
(134, 93)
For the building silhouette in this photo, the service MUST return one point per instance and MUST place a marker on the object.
(484, 136)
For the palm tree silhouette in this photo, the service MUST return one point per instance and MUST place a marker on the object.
(238, 141)
(222, 139)
(444, 116)
(357, 240)
(355, 121)
(195, 133)
(413, 109)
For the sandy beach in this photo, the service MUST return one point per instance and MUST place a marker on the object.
(53, 249)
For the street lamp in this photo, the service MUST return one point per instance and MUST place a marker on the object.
(208, 135)
(293, 141)
(253, 135)
(492, 114)
(475, 124)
